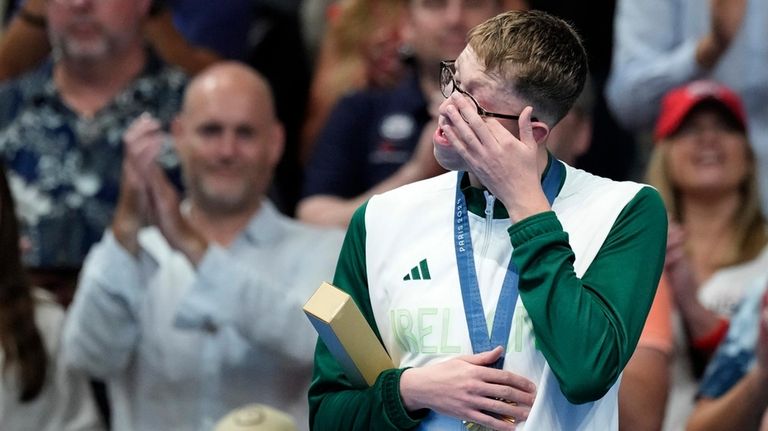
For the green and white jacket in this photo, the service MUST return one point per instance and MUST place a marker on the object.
(588, 274)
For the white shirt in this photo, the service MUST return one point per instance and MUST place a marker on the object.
(180, 347)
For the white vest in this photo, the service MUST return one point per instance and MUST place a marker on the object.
(418, 306)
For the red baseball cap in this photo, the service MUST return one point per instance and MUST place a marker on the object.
(678, 102)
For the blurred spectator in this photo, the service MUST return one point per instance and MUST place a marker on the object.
(315, 19)
(704, 168)
(37, 392)
(661, 44)
(260, 33)
(376, 140)
(204, 314)
(735, 385)
(26, 43)
(361, 49)
(221, 27)
(61, 127)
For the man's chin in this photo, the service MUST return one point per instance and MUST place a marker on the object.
(223, 199)
(222, 205)
(87, 52)
(451, 162)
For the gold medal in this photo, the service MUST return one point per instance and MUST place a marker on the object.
(471, 426)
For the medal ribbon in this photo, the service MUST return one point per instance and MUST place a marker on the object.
(470, 290)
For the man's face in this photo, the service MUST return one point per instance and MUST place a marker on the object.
(437, 29)
(489, 93)
(91, 30)
(229, 145)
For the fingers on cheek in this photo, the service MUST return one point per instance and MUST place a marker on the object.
(459, 126)
(454, 114)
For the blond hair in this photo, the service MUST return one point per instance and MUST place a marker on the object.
(542, 56)
(748, 224)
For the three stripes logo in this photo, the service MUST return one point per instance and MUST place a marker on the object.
(419, 272)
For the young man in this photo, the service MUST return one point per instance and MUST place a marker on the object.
(562, 265)
(200, 313)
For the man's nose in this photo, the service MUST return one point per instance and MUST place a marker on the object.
(228, 144)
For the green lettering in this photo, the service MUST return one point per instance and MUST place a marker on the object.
(444, 347)
(402, 326)
(425, 330)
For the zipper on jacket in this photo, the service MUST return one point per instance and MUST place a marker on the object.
(489, 201)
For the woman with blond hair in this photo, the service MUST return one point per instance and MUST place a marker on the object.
(704, 169)
(362, 47)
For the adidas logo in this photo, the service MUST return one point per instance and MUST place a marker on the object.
(419, 272)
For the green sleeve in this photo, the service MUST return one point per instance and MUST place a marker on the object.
(333, 402)
(588, 328)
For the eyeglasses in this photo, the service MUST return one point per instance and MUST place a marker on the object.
(448, 85)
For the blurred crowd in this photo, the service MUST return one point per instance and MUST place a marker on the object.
(177, 176)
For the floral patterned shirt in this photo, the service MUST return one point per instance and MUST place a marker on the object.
(64, 169)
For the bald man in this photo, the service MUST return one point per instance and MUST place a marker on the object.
(191, 308)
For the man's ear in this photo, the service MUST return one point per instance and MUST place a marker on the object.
(540, 132)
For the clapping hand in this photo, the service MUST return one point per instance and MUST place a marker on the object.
(142, 141)
(148, 197)
(677, 266)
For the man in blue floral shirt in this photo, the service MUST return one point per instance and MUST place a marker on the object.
(61, 127)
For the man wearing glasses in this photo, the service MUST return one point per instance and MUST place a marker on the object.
(448, 86)
(513, 289)
(377, 140)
